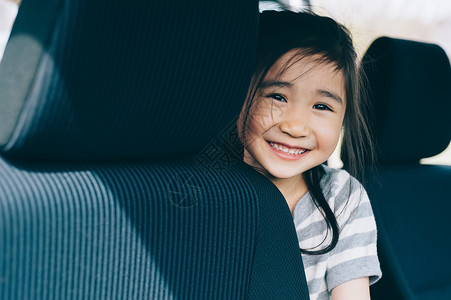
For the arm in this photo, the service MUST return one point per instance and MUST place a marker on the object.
(358, 289)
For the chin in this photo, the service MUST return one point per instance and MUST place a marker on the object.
(283, 174)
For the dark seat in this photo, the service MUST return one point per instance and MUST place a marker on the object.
(118, 177)
(412, 202)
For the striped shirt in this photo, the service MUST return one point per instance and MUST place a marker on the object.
(355, 255)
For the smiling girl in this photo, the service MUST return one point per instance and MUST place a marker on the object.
(304, 92)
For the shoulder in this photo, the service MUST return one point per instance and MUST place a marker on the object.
(340, 188)
(355, 255)
(338, 177)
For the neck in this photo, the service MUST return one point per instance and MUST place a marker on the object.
(292, 189)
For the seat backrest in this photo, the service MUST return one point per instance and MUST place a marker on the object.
(409, 89)
(118, 179)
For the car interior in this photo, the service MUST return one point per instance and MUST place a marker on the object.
(121, 176)
(410, 100)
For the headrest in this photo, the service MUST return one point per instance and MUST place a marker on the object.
(103, 80)
(411, 99)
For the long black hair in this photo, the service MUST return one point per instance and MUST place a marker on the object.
(306, 34)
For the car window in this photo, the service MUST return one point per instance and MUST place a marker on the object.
(8, 12)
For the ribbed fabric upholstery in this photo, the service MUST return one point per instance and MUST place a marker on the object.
(140, 231)
(410, 95)
(125, 232)
(118, 177)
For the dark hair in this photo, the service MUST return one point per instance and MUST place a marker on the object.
(309, 34)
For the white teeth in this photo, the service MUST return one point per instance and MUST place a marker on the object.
(287, 150)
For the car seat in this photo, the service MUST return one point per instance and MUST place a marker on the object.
(409, 92)
(118, 177)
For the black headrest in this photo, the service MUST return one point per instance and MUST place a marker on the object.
(102, 80)
(411, 99)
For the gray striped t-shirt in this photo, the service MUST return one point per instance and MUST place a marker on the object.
(355, 255)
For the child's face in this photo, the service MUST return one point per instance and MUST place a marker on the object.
(295, 121)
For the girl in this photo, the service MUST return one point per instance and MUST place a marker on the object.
(304, 90)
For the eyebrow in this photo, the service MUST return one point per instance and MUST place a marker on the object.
(331, 95)
(275, 84)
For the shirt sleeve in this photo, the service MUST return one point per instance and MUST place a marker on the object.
(355, 254)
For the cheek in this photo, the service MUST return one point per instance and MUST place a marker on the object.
(247, 124)
(260, 119)
(330, 136)
(253, 128)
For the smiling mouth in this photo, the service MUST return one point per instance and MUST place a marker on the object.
(288, 150)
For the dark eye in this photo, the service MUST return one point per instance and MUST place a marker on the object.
(277, 97)
(322, 107)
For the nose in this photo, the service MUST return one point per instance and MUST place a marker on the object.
(295, 123)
